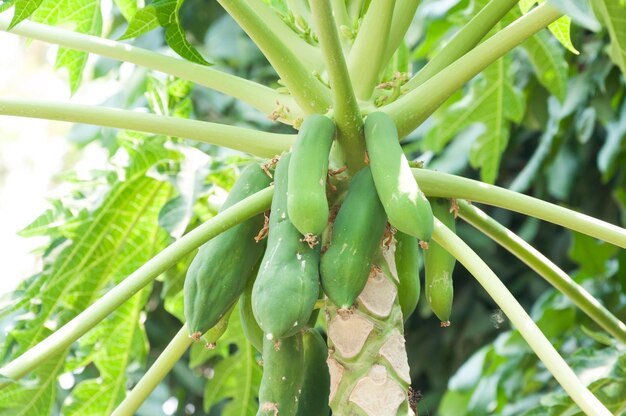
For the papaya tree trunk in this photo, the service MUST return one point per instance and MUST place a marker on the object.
(367, 357)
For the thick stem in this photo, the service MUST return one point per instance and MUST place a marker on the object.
(355, 8)
(308, 54)
(402, 17)
(301, 8)
(415, 107)
(70, 332)
(260, 23)
(369, 370)
(346, 109)
(247, 140)
(464, 40)
(545, 268)
(258, 96)
(438, 184)
(520, 319)
(157, 372)
(368, 51)
(340, 11)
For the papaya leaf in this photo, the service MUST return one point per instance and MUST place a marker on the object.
(493, 102)
(48, 222)
(110, 244)
(165, 13)
(237, 375)
(5, 4)
(561, 31)
(112, 355)
(84, 16)
(548, 62)
(613, 16)
(128, 8)
(23, 10)
(37, 395)
(560, 28)
(142, 22)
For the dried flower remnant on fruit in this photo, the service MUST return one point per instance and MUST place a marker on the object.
(270, 407)
(269, 165)
(280, 112)
(310, 239)
(454, 208)
(263, 232)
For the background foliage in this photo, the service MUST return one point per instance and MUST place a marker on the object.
(542, 120)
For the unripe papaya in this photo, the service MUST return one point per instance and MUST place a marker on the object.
(282, 380)
(219, 272)
(316, 386)
(357, 233)
(438, 267)
(308, 169)
(405, 204)
(249, 325)
(407, 264)
(287, 286)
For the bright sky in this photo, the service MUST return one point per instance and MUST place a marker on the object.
(32, 151)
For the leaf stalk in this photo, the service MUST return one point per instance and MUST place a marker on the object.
(520, 319)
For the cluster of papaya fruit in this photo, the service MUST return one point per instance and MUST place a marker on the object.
(279, 280)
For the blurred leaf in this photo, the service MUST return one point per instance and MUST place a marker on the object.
(549, 64)
(525, 178)
(493, 102)
(613, 145)
(561, 173)
(498, 104)
(591, 254)
(613, 16)
(585, 124)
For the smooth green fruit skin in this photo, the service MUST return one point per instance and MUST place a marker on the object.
(283, 377)
(306, 198)
(316, 385)
(249, 325)
(287, 286)
(408, 267)
(213, 335)
(405, 204)
(356, 236)
(219, 272)
(439, 265)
